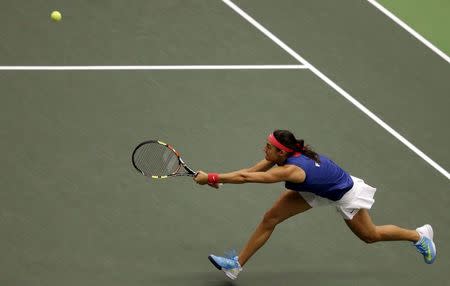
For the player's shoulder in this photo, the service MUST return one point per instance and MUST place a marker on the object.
(291, 167)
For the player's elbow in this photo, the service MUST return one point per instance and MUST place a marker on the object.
(256, 177)
(243, 177)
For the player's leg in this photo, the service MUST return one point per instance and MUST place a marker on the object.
(288, 204)
(361, 225)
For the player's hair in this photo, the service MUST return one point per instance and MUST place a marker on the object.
(288, 139)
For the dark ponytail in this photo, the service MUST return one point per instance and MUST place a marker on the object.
(288, 139)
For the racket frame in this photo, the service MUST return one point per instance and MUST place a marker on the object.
(189, 171)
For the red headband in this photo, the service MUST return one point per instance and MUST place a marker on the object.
(277, 144)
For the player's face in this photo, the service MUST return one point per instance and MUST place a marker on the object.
(273, 154)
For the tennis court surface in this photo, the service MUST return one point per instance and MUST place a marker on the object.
(78, 95)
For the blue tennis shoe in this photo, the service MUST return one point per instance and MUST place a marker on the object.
(228, 264)
(425, 245)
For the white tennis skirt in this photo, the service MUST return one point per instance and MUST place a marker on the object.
(358, 197)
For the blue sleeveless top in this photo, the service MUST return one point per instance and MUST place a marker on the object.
(326, 179)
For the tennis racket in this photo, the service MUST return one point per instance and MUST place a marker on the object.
(158, 160)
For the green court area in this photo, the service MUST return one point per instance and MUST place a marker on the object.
(73, 211)
(428, 18)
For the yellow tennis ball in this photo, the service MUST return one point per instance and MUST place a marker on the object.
(56, 16)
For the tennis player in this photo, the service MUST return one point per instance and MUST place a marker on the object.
(311, 180)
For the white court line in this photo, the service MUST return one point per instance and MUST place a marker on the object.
(167, 67)
(337, 88)
(410, 30)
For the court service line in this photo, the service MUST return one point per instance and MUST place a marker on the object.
(165, 67)
(336, 87)
(410, 30)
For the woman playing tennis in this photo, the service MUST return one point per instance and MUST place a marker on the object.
(311, 180)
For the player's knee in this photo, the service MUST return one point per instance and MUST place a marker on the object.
(369, 237)
(270, 220)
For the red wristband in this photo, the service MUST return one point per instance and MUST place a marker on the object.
(213, 178)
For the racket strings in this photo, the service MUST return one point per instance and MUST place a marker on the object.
(156, 160)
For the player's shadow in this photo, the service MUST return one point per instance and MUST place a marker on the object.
(280, 278)
(197, 279)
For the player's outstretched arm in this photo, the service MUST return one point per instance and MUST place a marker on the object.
(277, 174)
